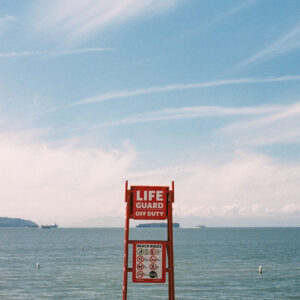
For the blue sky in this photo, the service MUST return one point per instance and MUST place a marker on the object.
(205, 93)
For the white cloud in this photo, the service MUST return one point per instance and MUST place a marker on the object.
(69, 184)
(60, 183)
(281, 126)
(177, 87)
(5, 20)
(51, 53)
(220, 18)
(192, 112)
(290, 41)
(249, 185)
(77, 18)
(270, 124)
(291, 208)
(232, 11)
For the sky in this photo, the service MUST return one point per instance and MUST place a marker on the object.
(202, 92)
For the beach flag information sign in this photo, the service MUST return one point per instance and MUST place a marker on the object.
(149, 203)
(152, 261)
(149, 261)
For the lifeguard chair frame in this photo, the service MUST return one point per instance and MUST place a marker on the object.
(169, 242)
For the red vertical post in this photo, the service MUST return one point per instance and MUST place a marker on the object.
(170, 245)
(126, 238)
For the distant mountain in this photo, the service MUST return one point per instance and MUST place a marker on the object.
(16, 222)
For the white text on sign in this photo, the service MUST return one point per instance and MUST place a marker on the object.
(150, 202)
(149, 196)
(149, 214)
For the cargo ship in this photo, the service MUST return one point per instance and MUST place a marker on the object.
(49, 226)
(202, 226)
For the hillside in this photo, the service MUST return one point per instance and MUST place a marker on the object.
(16, 222)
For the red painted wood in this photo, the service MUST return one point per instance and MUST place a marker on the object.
(170, 240)
(131, 209)
(126, 238)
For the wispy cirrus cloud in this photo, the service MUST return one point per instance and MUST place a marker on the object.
(288, 111)
(282, 126)
(269, 124)
(5, 20)
(230, 12)
(52, 53)
(193, 112)
(77, 18)
(288, 42)
(176, 87)
(224, 15)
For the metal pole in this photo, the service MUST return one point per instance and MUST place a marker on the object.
(126, 238)
(170, 245)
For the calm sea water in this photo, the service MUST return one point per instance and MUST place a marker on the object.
(214, 263)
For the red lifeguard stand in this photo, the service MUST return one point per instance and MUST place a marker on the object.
(149, 257)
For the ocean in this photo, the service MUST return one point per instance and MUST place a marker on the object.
(210, 263)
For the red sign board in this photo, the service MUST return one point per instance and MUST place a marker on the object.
(149, 202)
(149, 261)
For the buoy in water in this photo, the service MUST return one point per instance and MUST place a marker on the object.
(37, 266)
(260, 269)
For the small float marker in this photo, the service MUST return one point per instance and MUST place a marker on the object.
(260, 269)
(37, 266)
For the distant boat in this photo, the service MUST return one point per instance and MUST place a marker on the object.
(201, 226)
(49, 226)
